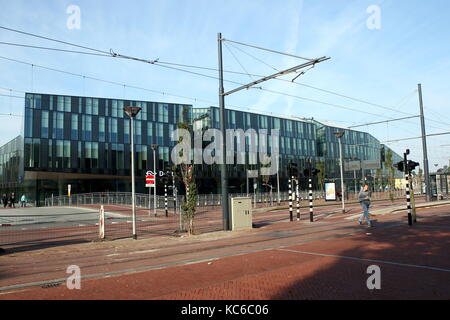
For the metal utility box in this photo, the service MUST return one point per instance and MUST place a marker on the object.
(241, 213)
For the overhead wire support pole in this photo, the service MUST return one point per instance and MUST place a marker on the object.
(424, 146)
(223, 94)
(223, 166)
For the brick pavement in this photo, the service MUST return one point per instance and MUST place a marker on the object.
(273, 267)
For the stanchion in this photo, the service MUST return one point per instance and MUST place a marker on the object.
(291, 216)
(101, 224)
(311, 210)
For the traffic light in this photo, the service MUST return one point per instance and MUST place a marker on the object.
(293, 169)
(306, 172)
(311, 172)
(412, 165)
(400, 166)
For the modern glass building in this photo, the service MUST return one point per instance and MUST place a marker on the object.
(85, 142)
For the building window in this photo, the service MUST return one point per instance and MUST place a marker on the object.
(60, 103)
(160, 134)
(50, 153)
(126, 131)
(163, 112)
(142, 157)
(67, 104)
(62, 154)
(79, 154)
(91, 155)
(58, 125)
(88, 106)
(101, 129)
(107, 104)
(87, 128)
(44, 124)
(32, 152)
(59, 153)
(74, 129)
(117, 156)
(138, 132)
(95, 107)
(120, 112)
(114, 108)
(149, 133)
(112, 129)
(66, 155)
(28, 122)
(33, 101)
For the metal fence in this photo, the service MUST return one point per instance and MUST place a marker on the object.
(203, 200)
(147, 201)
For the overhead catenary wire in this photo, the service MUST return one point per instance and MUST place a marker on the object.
(268, 50)
(53, 49)
(54, 40)
(135, 87)
(156, 62)
(237, 60)
(129, 86)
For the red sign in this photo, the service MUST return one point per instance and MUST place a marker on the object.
(150, 181)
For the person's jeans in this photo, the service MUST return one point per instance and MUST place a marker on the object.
(365, 205)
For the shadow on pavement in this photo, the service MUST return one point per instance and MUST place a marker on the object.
(344, 275)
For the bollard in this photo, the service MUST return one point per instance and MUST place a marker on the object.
(290, 201)
(101, 223)
(311, 210)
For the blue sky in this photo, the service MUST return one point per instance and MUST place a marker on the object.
(380, 66)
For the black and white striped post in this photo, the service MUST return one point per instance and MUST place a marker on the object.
(174, 193)
(311, 209)
(165, 199)
(298, 200)
(408, 200)
(290, 200)
(408, 193)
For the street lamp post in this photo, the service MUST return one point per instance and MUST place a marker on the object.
(132, 112)
(339, 135)
(154, 148)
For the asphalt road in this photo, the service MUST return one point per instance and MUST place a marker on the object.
(54, 217)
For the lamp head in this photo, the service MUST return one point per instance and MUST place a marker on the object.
(339, 134)
(132, 112)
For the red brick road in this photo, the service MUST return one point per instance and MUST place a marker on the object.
(324, 260)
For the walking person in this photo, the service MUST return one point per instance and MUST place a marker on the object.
(5, 200)
(364, 200)
(12, 200)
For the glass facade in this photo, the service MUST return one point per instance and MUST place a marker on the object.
(85, 142)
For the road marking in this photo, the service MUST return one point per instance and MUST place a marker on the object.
(367, 260)
(143, 251)
(353, 217)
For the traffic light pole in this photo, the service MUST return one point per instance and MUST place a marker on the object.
(291, 216)
(408, 195)
(311, 209)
